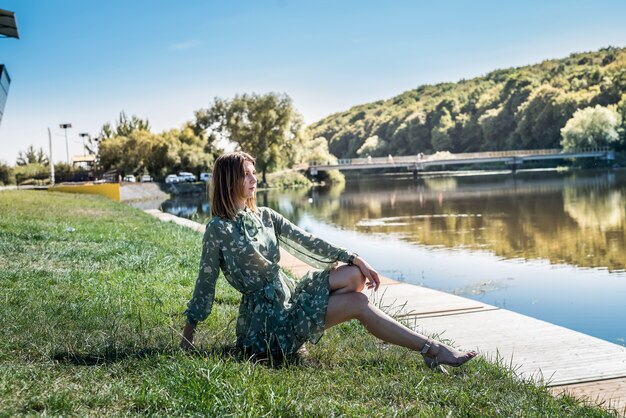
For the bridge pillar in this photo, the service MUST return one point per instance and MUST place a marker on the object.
(515, 163)
(610, 155)
(416, 170)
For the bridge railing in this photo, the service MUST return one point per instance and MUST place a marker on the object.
(441, 156)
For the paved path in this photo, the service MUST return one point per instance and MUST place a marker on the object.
(563, 359)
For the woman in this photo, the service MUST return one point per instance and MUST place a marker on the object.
(276, 315)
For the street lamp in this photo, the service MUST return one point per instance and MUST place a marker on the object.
(84, 135)
(97, 153)
(67, 148)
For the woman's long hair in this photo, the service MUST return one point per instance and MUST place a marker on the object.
(227, 184)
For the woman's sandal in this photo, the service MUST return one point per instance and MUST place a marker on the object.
(433, 361)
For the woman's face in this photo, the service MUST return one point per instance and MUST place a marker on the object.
(249, 180)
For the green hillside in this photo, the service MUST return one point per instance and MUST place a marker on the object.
(514, 108)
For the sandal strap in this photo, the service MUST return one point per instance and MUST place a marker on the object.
(425, 348)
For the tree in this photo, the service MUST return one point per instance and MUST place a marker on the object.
(32, 156)
(591, 127)
(440, 134)
(621, 109)
(316, 150)
(267, 126)
(6, 174)
(143, 152)
(369, 146)
(541, 118)
(124, 126)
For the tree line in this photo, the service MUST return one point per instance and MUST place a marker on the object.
(572, 102)
(266, 125)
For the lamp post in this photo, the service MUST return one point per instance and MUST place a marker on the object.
(97, 153)
(67, 149)
(50, 157)
(84, 135)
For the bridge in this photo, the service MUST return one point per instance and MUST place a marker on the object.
(421, 162)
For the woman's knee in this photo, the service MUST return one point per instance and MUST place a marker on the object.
(357, 280)
(359, 304)
(346, 279)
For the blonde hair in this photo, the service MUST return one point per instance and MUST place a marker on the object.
(227, 184)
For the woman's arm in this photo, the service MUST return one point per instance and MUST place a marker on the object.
(330, 252)
(201, 303)
(325, 251)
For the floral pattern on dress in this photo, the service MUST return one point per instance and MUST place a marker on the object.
(276, 314)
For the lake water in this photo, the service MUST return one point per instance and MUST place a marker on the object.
(548, 244)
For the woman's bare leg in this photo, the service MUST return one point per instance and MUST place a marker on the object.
(346, 303)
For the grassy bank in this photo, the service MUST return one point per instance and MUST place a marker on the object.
(91, 300)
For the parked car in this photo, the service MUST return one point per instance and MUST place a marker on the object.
(146, 178)
(172, 178)
(205, 177)
(187, 176)
(129, 178)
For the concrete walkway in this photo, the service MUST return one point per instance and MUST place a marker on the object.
(563, 359)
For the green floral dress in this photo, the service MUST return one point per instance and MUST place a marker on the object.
(276, 314)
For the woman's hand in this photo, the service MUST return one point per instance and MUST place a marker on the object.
(186, 343)
(371, 275)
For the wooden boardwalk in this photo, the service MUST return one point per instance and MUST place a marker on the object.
(562, 359)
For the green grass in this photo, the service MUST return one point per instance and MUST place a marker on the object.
(91, 319)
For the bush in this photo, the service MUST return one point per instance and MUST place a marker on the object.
(591, 127)
(289, 179)
(6, 174)
(30, 173)
(331, 177)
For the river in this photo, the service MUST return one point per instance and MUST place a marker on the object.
(547, 244)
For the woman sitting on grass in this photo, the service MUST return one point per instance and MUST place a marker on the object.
(277, 315)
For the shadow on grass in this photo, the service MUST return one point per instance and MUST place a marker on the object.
(230, 352)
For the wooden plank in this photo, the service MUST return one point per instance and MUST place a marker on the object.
(535, 349)
(610, 393)
(404, 300)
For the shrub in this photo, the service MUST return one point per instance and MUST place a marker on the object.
(6, 174)
(331, 177)
(27, 174)
(591, 127)
(289, 179)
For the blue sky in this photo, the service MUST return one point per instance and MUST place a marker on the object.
(82, 62)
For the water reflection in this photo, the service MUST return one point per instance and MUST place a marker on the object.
(191, 207)
(566, 218)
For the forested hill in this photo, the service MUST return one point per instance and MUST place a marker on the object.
(515, 108)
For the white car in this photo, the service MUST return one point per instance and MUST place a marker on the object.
(130, 178)
(205, 177)
(146, 178)
(187, 176)
(172, 178)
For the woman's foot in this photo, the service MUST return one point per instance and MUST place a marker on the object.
(437, 354)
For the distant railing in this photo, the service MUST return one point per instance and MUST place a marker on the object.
(443, 156)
